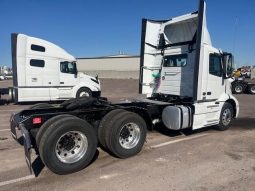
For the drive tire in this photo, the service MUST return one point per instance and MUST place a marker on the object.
(226, 117)
(103, 123)
(237, 88)
(251, 88)
(84, 92)
(54, 135)
(114, 131)
(45, 125)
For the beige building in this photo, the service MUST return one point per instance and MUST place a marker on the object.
(118, 66)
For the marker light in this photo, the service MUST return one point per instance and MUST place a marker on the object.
(37, 120)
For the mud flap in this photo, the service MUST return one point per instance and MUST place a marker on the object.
(27, 147)
(13, 126)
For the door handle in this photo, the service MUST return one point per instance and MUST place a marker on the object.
(34, 79)
(207, 93)
(171, 73)
(61, 82)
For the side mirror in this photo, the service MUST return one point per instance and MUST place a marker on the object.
(228, 65)
(75, 70)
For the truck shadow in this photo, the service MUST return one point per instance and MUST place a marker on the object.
(243, 124)
(38, 166)
(239, 124)
(36, 102)
(7, 102)
(162, 129)
(4, 102)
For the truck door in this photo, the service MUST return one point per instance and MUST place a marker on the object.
(215, 81)
(34, 72)
(35, 79)
(67, 78)
(35, 87)
(52, 78)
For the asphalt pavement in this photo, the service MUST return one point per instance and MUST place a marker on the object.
(201, 160)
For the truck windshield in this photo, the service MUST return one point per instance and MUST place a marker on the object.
(68, 67)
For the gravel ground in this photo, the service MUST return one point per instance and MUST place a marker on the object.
(204, 160)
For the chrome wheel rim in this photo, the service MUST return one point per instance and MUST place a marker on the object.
(71, 147)
(129, 135)
(84, 94)
(226, 116)
(238, 89)
(253, 89)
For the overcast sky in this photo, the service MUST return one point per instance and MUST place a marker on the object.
(87, 28)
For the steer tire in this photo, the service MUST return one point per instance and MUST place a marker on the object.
(55, 133)
(103, 123)
(227, 107)
(83, 92)
(114, 130)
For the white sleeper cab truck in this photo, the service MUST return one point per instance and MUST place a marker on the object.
(42, 71)
(187, 84)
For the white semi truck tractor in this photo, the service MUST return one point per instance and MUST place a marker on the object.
(187, 84)
(42, 71)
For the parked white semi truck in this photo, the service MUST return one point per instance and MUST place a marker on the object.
(187, 84)
(42, 71)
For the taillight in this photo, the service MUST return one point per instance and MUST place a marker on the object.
(37, 120)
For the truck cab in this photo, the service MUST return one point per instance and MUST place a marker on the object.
(179, 62)
(42, 71)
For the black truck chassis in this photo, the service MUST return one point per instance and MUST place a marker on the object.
(92, 112)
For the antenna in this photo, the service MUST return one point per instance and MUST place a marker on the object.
(234, 37)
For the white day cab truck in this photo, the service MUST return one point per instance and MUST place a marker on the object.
(42, 71)
(187, 84)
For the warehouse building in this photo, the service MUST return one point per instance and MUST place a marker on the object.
(117, 66)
